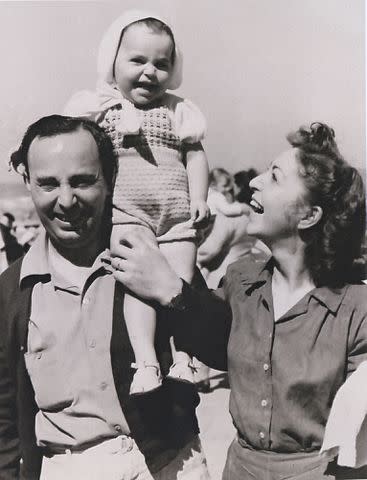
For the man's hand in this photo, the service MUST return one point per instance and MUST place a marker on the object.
(142, 268)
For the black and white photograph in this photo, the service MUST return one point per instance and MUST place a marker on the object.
(183, 257)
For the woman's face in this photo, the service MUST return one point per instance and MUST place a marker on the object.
(279, 200)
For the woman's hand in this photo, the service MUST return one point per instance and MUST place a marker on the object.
(142, 268)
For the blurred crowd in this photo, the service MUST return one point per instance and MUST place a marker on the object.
(15, 238)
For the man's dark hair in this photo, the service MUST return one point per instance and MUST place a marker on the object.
(58, 124)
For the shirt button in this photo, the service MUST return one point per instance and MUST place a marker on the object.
(266, 367)
(264, 403)
(92, 343)
(262, 435)
(103, 386)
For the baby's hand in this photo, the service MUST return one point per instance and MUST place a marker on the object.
(200, 212)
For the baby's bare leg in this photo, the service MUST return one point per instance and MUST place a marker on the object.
(182, 257)
(140, 320)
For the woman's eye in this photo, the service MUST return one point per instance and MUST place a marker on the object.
(273, 177)
(138, 61)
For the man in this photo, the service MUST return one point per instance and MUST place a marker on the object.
(10, 249)
(65, 408)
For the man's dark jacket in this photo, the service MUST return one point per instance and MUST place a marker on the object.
(160, 422)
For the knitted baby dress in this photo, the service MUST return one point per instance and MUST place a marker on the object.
(151, 187)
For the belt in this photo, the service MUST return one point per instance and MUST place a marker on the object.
(121, 444)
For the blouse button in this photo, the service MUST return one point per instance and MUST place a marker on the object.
(266, 367)
(262, 435)
(264, 403)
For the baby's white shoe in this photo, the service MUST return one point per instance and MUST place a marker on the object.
(183, 371)
(147, 378)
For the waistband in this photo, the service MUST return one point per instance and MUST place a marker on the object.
(122, 444)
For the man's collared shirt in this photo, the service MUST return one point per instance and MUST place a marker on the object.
(68, 351)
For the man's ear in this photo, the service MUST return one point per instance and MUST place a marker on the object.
(311, 217)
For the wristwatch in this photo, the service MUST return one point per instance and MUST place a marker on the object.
(178, 301)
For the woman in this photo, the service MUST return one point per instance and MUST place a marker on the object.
(289, 331)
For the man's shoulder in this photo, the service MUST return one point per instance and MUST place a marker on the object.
(9, 279)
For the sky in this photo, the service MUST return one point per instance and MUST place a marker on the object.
(256, 68)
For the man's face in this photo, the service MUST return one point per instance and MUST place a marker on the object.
(68, 188)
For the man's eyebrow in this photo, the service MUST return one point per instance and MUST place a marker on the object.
(45, 178)
(86, 177)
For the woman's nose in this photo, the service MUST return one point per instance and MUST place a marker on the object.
(255, 183)
(66, 197)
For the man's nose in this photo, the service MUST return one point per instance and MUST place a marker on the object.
(66, 197)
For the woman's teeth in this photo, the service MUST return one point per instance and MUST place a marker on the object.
(256, 207)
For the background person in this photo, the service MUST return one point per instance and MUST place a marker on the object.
(228, 240)
(10, 249)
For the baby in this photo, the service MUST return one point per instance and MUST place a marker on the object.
(162, 181)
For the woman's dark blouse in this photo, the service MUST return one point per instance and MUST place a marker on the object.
(283, 375)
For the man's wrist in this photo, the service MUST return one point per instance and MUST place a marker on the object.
(173, 292)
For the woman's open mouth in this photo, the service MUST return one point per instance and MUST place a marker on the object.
(256, 206)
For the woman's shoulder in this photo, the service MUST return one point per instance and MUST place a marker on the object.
(247, 270)
(356, 295)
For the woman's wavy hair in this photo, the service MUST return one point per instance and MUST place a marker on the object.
(335, 242)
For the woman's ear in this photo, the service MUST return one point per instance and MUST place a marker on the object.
(26, 181)
(311, 217)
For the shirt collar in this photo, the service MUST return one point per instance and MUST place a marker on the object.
(261, 274)
(330, 298)
(35, 263)
(36, 266)
(258, 275)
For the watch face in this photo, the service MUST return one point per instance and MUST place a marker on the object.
(177, 302)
